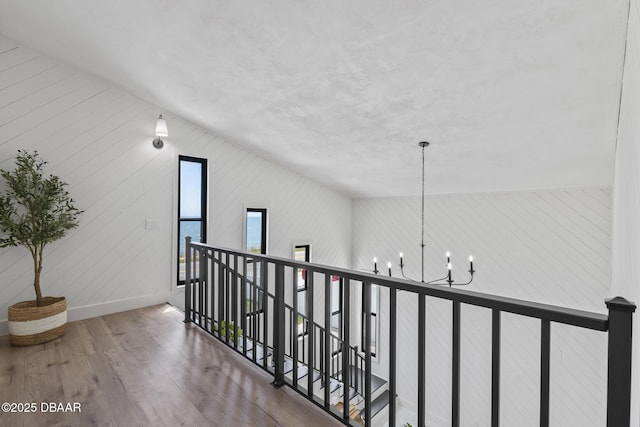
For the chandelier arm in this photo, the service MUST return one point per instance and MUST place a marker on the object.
(434, 282)
(455, 284)
(464, 284)
(406, 277)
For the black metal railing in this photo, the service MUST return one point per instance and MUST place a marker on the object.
(245, 300)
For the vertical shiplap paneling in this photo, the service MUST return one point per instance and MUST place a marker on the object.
(98, 138)
(547, 246)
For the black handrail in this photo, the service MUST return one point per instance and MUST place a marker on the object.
(213, 297)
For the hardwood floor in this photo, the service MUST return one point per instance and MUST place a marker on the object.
(143, 368)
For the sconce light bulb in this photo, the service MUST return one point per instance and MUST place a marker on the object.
(449, 266)
(389, 264)
(470, 258)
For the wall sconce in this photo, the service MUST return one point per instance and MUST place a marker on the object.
(161, 130)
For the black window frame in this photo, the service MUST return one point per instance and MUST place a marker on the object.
(203, 204)
(263, 225)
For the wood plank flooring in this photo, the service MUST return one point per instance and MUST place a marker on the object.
(144, 368)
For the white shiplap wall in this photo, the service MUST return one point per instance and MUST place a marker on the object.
(626, 196)
(98, 138)
(550, 246)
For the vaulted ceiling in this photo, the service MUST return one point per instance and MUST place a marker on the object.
(512, 94)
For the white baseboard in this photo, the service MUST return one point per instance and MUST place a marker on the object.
(96, 310)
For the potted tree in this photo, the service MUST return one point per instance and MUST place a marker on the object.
(35, 210)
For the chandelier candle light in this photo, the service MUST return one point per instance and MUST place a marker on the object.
(446, 280)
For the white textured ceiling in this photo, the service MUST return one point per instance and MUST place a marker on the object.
(513, 94)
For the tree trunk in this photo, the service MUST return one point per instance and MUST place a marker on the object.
(37, 267)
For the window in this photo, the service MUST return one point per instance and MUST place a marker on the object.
(302, 253)
(192, 206)
(375, 294)
(256, 231)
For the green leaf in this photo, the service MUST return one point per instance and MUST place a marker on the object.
(35, 209)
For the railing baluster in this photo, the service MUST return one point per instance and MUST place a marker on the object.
(212, 288)
(194, 287)
(392, 355)
(310, 335)
(545, 352)
(243, 305)
(367, 353)
(227, 320)
(295, 333)
(234, 300)
(292, 335)
(455, 367)
(265, 312)
(220, 314)
(201, 269)
(187, 280)
(495, 368)
(254, 311)
(421, 360)
(327, 340)
(346, 370)
(278, 327)
(205, 294)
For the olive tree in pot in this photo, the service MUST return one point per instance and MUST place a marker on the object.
(35, 210)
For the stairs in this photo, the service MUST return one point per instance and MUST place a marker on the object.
(379, 392)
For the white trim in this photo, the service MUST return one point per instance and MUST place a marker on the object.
(97, 310)
(32, 327)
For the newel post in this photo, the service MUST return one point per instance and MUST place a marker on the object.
(619, 369)
(187, 279)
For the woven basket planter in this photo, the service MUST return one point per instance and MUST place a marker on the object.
(30, 324)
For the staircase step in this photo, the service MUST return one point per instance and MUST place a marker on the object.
(376, 381)
(333, 385)
(352, 392)
(259, 351)
(379, 403)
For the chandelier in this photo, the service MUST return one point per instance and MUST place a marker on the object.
(448, 278)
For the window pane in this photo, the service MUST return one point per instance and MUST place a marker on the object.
(254, 232)
(301, 253)
(191, 209)
(190, 189)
